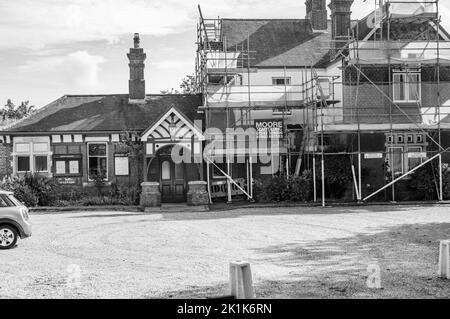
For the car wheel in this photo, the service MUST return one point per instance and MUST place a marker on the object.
(8, 237)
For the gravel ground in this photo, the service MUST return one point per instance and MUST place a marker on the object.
(294, 253)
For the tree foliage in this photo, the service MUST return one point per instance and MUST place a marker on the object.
(12, 112)
(188, 86)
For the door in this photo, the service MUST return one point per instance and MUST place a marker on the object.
(173, 182)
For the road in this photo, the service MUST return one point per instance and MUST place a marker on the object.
(294, 252)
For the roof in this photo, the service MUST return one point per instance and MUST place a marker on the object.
(277, 42)
(77, 113)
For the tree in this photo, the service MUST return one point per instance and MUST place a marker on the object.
(188, 86)
(11, 112)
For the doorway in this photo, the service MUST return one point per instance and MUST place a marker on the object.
(172, 181)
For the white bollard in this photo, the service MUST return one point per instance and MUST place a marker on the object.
(241, 283)
(444, 259)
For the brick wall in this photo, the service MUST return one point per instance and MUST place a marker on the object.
(5, 160)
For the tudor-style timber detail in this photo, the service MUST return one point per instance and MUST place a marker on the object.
(184, 129)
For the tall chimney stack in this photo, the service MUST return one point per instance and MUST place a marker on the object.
(137, 81)
(340, 21)
(316, 12)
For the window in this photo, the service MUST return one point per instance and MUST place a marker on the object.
(216, 172)
(407, 86)
(98, 160)
(40, 164)
(395, 160)
(281, 81)
(5, 201)
(67, 165)
(23, 163)
(407, 153)
(414, 156)
(32, 154)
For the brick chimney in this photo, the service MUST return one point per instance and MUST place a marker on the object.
(316, 12)
(137, 82)
(340, 21)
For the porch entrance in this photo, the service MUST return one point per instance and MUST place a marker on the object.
(172, 181)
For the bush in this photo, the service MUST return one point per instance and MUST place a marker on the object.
(425, 182)
(31, 189)
(282, 188)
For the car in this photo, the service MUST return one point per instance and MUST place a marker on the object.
(14, 220)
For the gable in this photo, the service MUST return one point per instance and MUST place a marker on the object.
(184, 128)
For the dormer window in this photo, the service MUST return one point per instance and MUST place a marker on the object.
(407, 85)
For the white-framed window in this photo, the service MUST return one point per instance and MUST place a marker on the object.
(281, 81)
(407, 85)
(404, 152)
(32, 155)
(97, 160)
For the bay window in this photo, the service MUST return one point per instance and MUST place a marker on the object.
(98, 160)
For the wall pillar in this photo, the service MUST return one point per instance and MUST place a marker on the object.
(197, 194)
(150, 196)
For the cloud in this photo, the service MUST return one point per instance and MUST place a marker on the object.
(36, 24)
(77, 68)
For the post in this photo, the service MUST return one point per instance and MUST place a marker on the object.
(359, 176)
(248, 178)
(444, 259)
(441, 185)
(323, 181)
(314, 179)
(358, 196)
(208, 180)
(241, 283)
(251, 176)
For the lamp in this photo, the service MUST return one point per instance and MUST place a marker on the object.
(172, 128)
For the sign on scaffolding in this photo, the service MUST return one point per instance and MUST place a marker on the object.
(269, 129)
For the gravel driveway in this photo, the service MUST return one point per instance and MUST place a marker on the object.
(294, 252)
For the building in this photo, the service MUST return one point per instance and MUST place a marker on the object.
(78, 139)
(395, 99)
(276, 96)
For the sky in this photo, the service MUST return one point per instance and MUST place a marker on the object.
(49, 48)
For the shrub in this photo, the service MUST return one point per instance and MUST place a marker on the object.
(338, 174)
(424, 183)
(282, 188)
(23, 189)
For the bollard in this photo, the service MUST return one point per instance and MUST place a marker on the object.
(241, 283)
(444, 259)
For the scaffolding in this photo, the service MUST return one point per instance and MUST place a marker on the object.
(224, 76)
(323, 105)
(399, 63)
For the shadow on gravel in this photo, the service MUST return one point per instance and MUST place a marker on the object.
(107, 215)
(270, 211)
(338, 268)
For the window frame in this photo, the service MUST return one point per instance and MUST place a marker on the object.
(220, 175)
(407, 85)
(67, 158)
(405, 147)
(287, 80)
(89, 156)
(34, 163)
(29, 163)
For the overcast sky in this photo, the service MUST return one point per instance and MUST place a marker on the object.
(49, 48)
